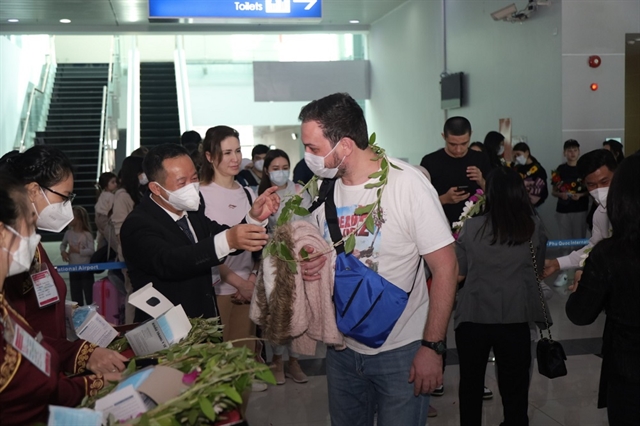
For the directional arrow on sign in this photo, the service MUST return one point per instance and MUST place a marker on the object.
(310, 3)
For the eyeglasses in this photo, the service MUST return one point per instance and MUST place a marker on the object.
(67, 198)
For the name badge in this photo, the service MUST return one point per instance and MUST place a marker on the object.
(45, 287)
(29, 348)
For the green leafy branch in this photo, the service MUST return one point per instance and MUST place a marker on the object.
(222, 374)
(372, 211)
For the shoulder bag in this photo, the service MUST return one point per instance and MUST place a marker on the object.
(550, 353)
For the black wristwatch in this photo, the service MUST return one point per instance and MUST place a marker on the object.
(440, 347)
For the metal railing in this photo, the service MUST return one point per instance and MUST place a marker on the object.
(35, 91)
(108, 116)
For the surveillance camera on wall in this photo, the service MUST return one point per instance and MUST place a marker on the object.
(505, 13)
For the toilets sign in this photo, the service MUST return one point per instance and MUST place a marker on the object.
(235, 9)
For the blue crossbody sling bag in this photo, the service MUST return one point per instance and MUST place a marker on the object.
(367, 305)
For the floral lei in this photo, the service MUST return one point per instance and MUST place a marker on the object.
(472, 207)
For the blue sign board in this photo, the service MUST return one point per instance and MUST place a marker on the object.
(236, 9)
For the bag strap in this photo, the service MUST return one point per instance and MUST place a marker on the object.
(248, 194)
(331, 216)
(325, 187)
(544, 309)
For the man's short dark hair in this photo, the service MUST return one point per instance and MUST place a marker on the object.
(456, 126)
(190, 136)
(571, 143)
(592, 161)
(152, 164)
(339, 116)
(259, 150)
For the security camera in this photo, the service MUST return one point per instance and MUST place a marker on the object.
(505, 13)
(512, 14)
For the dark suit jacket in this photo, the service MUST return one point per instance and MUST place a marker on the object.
(156, 250)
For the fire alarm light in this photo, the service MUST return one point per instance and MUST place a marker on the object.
(594, 61)
(594, 86)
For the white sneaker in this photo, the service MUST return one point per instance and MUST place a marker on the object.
(561, 280)
(258, 386)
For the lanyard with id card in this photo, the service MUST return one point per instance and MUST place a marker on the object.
(45, 287)
(27, 345)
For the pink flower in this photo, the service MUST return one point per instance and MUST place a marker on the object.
(455, 235)
(189, 378)
(479, 192)
(473, 198)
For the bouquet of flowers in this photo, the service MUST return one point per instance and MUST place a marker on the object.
(472, 207)
(573, 187)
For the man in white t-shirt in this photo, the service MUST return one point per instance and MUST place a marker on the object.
(395, 379)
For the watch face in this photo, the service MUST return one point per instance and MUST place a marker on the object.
(440, 348)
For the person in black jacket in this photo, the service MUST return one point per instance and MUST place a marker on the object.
(534, 175)
(610, 282)
(167, 239)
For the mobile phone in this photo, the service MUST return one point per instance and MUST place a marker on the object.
(463, 187)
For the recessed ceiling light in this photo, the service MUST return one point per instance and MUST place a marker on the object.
(65, 21)
(354, 21)
(13, 20)
(631, 42)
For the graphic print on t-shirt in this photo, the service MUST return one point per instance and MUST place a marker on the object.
(367, 244)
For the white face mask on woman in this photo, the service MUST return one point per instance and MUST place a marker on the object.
(186, 198)
(279, 177)
(501, 150)
(55, 217)
(521, 159)
(23, 256)
(316, 164)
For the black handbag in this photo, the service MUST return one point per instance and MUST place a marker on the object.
(550, 354)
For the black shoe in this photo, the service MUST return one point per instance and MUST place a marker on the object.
(486, 394)
(439, 391)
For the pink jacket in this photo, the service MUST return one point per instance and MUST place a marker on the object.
(290, 310)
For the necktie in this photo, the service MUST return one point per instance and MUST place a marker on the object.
(184, 225)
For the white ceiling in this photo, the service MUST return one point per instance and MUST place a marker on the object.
(131, 16)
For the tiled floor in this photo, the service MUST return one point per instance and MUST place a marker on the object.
(569, 400)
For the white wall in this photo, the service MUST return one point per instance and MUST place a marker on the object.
(595, 28)
(83, 49)
(513, 70)
(22, 59)
(281, 139)
(223, 94)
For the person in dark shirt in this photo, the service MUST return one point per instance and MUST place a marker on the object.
(610, 283)
(456, 171)
(534, 175)
(572, 195)
(302, 173)
(253, 176)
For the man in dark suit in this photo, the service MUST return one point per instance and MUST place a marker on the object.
(167, 239)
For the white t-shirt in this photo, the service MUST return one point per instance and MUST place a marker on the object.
(413, 225)
(228, 207)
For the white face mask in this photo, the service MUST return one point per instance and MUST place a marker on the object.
(501, 150)
(521, 159)
(143, 179)
(279, 177)
(55, 217)
(186, 198)
(600, 195)
(23, 256)
(258, 165)
(316, 164)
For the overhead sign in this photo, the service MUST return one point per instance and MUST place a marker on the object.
(235, 9)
